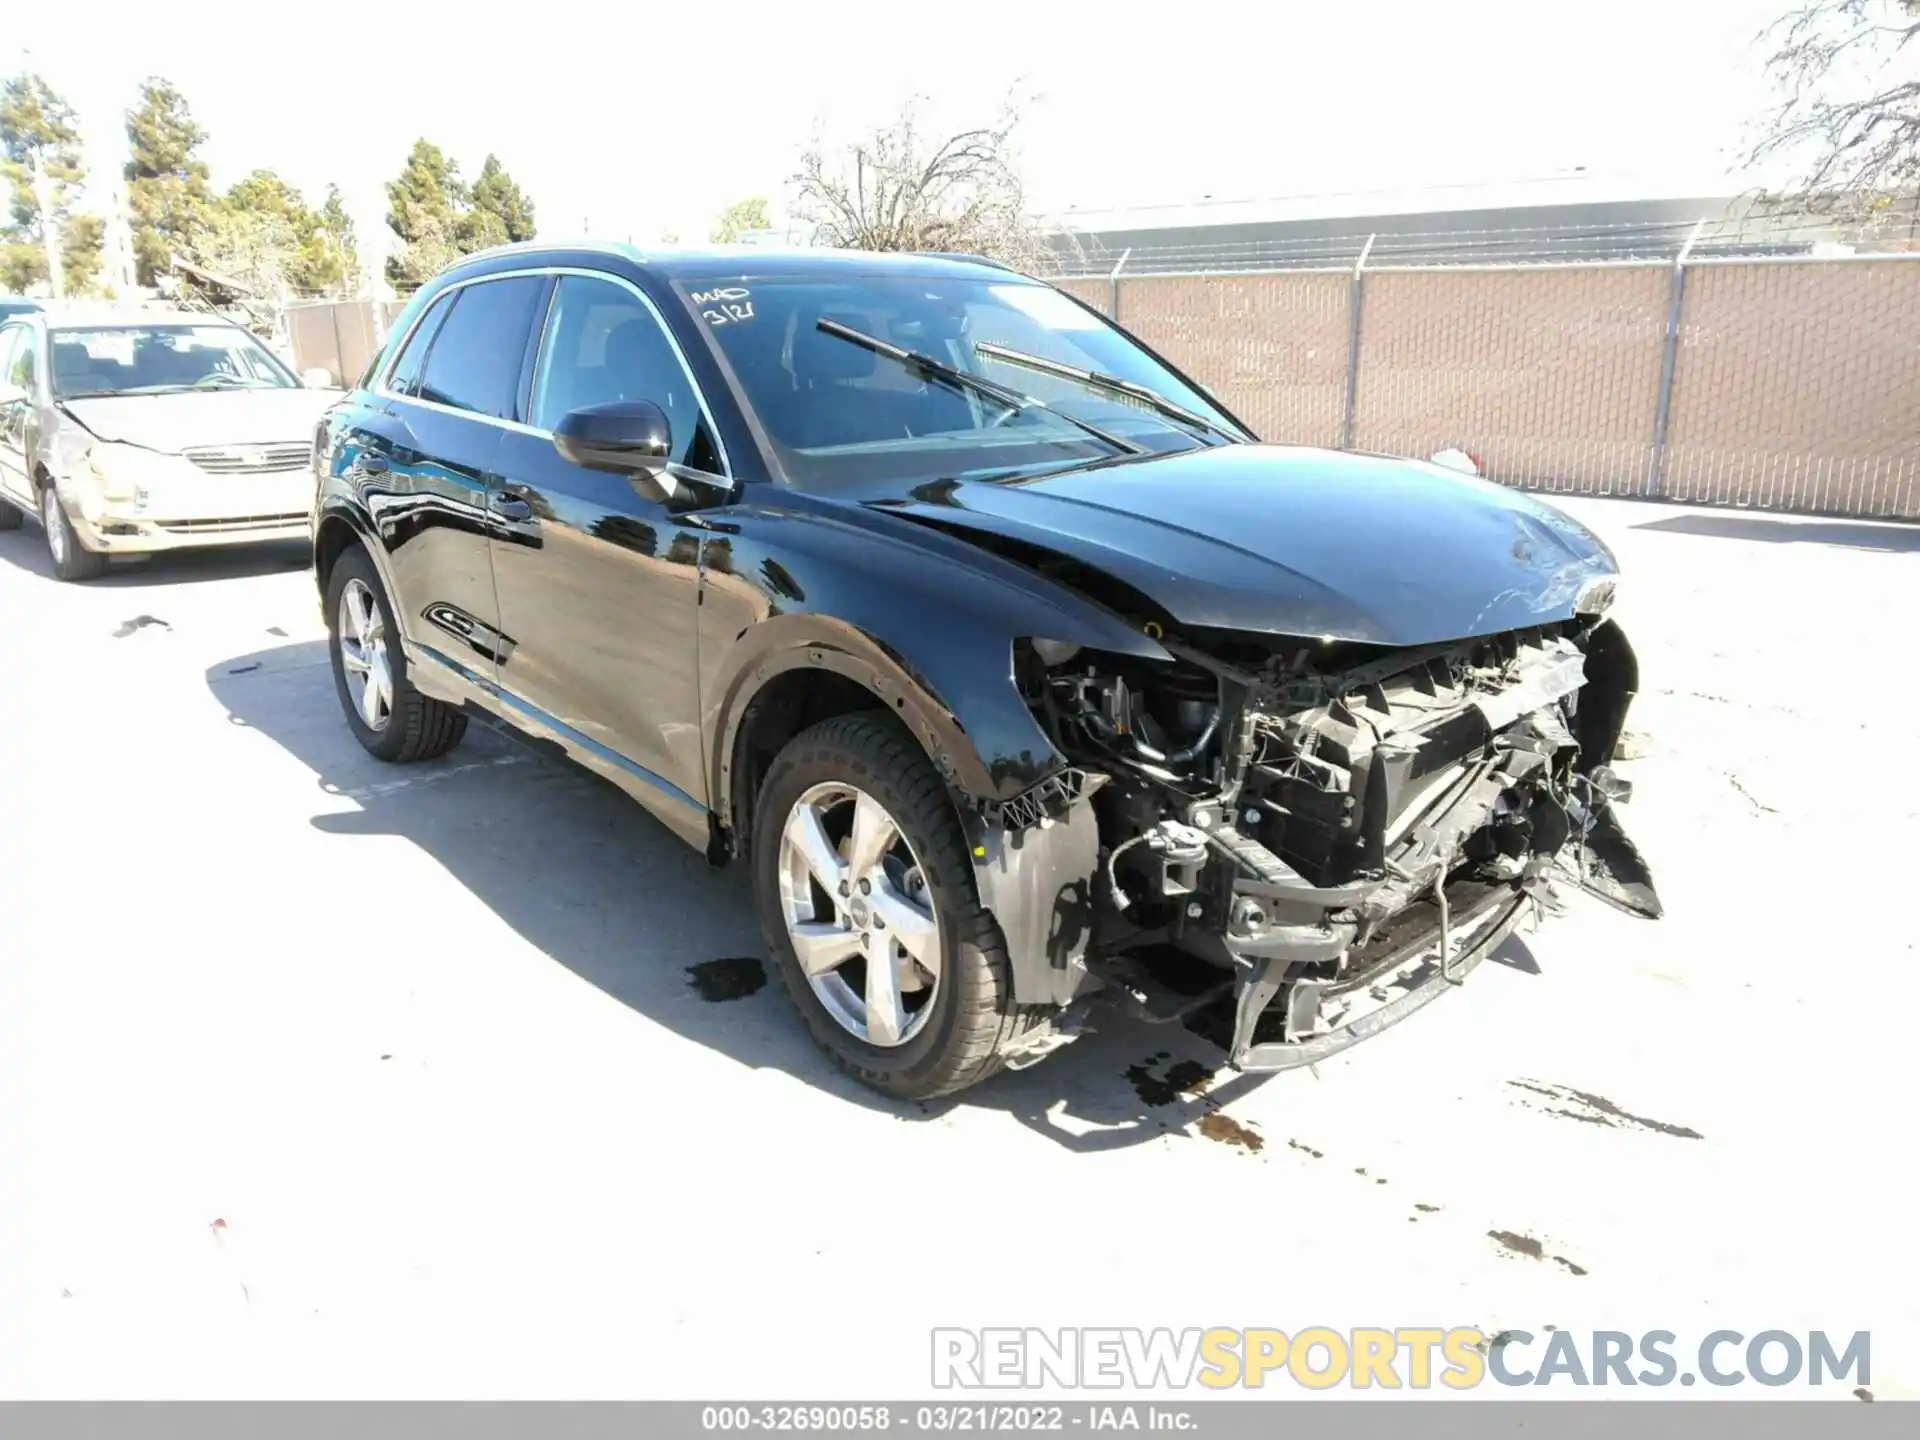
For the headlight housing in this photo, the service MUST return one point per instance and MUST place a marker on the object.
(1596, 596)
(121, 472)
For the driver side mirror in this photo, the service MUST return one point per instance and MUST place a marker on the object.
(622, 437)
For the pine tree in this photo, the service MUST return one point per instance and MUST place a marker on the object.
(333, 263)
(166, 180)
(500, 212)
(38, 130)
(424, 208)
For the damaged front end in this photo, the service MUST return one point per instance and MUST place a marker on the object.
(1340, 832)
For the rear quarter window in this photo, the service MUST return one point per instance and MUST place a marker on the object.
(405, 376)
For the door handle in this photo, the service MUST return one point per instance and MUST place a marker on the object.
(509, 506)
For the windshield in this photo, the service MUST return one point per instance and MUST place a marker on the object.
(836, 410)
(158, 359)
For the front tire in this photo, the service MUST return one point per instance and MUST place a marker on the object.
(391, 720)
(72, 561)
(866, 897)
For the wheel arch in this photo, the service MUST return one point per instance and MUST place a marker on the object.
(827, 669)
(331, 537)
(338, 526)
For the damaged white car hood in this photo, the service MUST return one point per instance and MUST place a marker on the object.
(176, 422)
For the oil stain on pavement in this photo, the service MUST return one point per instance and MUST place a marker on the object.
(1533, 1250)
(733, 978)
(1219, 1126)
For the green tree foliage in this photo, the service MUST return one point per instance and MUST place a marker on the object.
(423, 208)
(257, 249)
(333, 263)
(81, 241)
(166, 180)
(500, 212)
(261, 234)
(439, 217)
(38, 128)
(742, 217)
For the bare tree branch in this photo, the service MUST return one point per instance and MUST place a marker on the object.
(1848, 119)
(891, 191)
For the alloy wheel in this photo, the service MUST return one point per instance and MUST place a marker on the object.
(362, 638)
(859, 914)
(55, 524)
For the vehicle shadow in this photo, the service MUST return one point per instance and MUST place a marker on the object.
(1857, 535)
(586, 876)
(26, 550)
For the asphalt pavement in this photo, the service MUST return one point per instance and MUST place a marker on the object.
(325, 1078)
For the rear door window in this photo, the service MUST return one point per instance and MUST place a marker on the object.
(476, 359)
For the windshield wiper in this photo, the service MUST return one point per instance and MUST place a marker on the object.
(1108, 384)
(959, 379)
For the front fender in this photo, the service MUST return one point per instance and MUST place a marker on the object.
(922, 619)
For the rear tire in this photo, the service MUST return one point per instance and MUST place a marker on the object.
(973, 1020)
(407, 726)
(72, 561)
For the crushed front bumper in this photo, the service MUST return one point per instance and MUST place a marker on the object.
(193, 510)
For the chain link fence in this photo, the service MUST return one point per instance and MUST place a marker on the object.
(1744, 360)
(1739, 361)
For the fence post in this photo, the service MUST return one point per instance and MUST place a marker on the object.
(1669, 358)
(339, 346)
(1353, 344)
(1113, 284)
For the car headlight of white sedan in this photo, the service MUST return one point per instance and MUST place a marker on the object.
(107, 470)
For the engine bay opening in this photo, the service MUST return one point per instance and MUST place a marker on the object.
(1307, 820)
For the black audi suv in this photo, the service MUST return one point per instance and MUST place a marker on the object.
(1025, 680)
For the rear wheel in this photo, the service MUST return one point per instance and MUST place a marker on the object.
(388, 716)
(866, 896)
(71, 559)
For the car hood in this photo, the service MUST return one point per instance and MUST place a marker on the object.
(1294, 541)
(176, 422)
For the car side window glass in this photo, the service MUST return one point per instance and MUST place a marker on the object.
(405, 377)
(24, 363)
(12, 341)
(604, 345)
(475, 360)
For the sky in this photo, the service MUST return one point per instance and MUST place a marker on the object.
(642, 120)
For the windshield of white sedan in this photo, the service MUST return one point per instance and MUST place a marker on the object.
(159, 359)
(836, 408)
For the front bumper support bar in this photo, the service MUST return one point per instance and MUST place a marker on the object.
(1483, 927)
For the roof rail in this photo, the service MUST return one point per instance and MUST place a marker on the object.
(967, 259)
